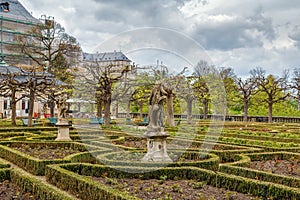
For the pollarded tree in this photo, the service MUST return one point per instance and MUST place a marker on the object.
(37, 83)
(273, 87)
(12, 84)
(47, 44)
(186, 91)
(170, 83)
(209, 88)
(49, 47)
(200, 85)
(247, 89)
(102, 79)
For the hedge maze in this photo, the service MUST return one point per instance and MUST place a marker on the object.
(247, 161)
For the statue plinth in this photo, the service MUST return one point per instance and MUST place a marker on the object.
(63, 130)
(156, 145)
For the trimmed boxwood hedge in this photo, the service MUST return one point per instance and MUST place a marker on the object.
(37, 187)
(4, 174)
(32, 164)
(4, 164)
(210, 161)
(82, 187)
(28, 129)
(239, 169)
(226, 155)
(74, 178)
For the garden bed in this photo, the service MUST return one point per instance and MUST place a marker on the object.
(290, 167)
(169, 189)
(84, 181)
(33, 164)
(178, 158)
(9, 191)
(48, 152)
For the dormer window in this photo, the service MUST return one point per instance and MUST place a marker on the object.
(4, 7)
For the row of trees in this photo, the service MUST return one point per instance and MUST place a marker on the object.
(239, 94)
(54, 76)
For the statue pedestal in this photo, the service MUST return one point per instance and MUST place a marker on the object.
(63, 130)
(156, 147)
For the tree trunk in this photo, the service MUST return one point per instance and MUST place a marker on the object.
(246, 110)
(30, 109)
(141, 110)
(170, 111)
(117, 109)
(270, 112)
(189, 102)
(107, 104)
(205, 108)
(52, 106)
(79, 107)
(99, 108)
(13, 107)
(128, 110)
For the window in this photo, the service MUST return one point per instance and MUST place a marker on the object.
(10, 37)
(4, 7)
(23, 105)
(5, 104)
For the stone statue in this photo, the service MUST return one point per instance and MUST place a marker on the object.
(157, 98)
(62, 107)
(156, 137)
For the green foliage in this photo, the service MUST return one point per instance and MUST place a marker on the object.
(29, 163)
(40, 189)
(244, 171)
(76, 176)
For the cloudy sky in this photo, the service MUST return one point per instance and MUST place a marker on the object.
(239, 34)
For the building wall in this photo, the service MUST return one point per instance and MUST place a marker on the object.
(10, 29)
(22, 107)
(13, 23)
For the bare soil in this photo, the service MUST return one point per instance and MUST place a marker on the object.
(45, 152)
(171, 189)
(9, 191)
(282, 167)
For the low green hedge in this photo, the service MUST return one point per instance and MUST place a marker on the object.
(82, 187)
(240, 160)
(75, 178)
(271, 155)
(260, 175)
(239, 168)
(37, 187)
(266, 138)
(210, 161)
(4, 164)
(86, 157)
(28, 129)
(4, 174)
(32, 164)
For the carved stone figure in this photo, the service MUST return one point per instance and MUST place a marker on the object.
(157, 98)
(62, 107)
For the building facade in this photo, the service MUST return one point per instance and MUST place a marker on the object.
(15, 20)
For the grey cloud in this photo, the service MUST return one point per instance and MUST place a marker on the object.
(295, 35)
(140, 13)
(237, 33)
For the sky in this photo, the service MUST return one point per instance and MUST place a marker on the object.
(239, 34)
